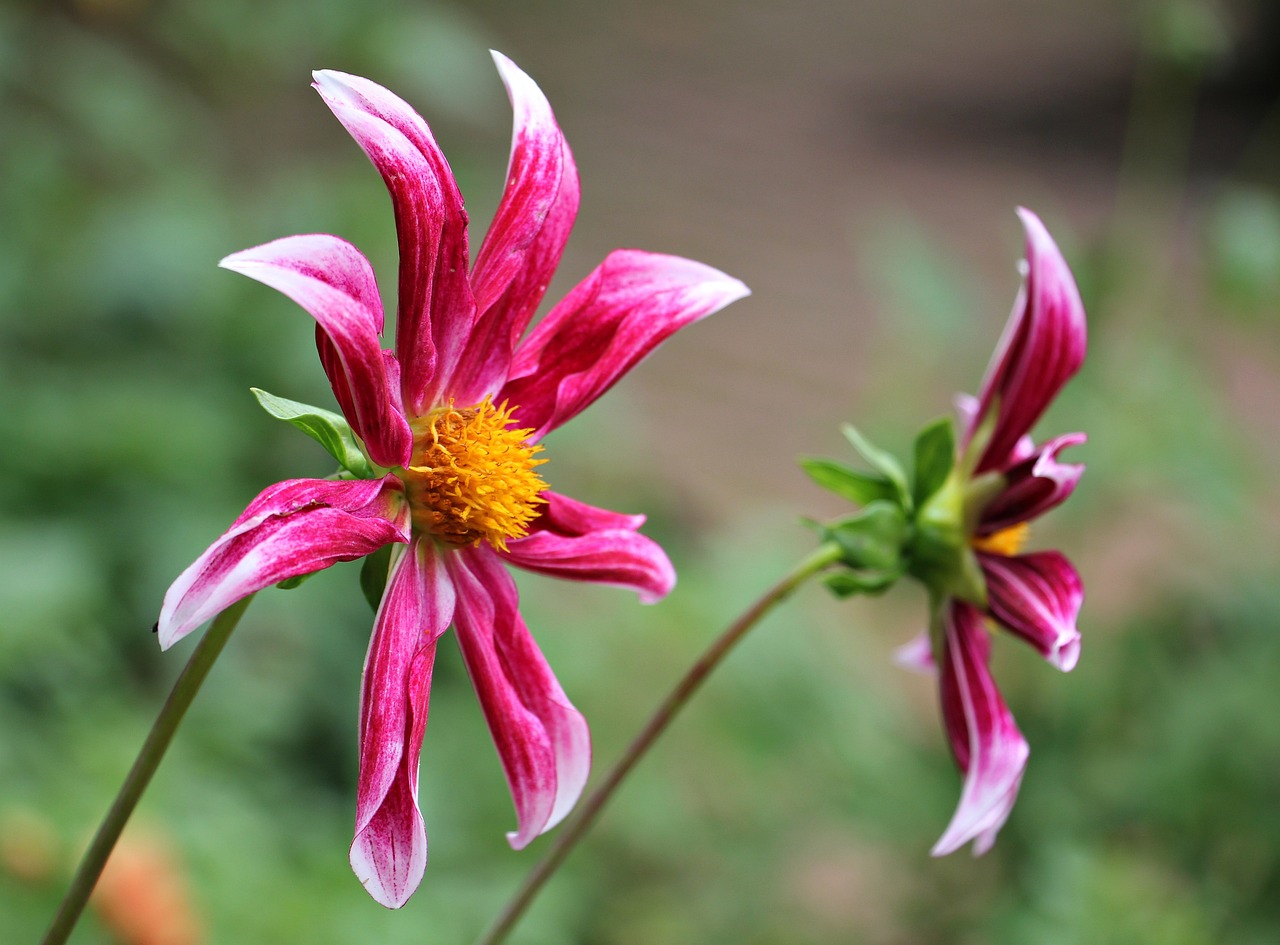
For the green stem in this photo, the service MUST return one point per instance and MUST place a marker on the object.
(149, 758)
(578, 825)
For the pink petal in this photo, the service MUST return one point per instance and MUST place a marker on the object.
(1042, 347)
(334, 283)
(292, 528)
(631, 303)
(436, 309)
(984, 738)
(389, 852)
(1038, 597)
(567, 541)
(1035, 485)
(917, 655)
(541, 738)
(524, 244)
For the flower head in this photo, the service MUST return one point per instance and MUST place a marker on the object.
(444, 438)
(958, 526)
(1000, 481)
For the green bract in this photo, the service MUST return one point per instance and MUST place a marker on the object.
(327, 428)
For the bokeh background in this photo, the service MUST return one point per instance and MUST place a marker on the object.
(858, 165)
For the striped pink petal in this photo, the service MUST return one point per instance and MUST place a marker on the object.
(1034, 485)
(986, 742)
(916, 655)
(569, 541)
(436, 309)
(1037, 597)
(293, 528)
(629, 305)
(333, 282)
(1042, 347)
(541, 738)
(389, 852)
(524, 244)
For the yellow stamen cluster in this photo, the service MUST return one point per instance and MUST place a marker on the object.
(472, 477)
(1007, 541)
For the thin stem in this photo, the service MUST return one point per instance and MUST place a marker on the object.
(149, 758)
(578, 825)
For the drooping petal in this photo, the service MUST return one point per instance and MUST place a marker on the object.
(1042, 347)
(541, 738)
(916, 655)
(572, 540)
(1038, 597)
(292, 528)
(436, 308)
(984, 738)
(524, 244)
(1034, 486)
(334, 283)
(630, 304)
(389, 852)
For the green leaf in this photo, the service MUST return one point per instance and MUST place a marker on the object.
(289, 584)
(872, 540)
(935, 454)
(373, 575)
(884, 462)
(859, 487)
(327, 428)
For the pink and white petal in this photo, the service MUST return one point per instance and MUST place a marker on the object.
(528, 234)
(986, 742)
(916, 655)
(631, 303)
(1033, 486)
(333, 282)
(292, 528)
(542, 740)
(1042, 347)
(567, 541)
(389, 851)
(436, 309)
(1037, 597)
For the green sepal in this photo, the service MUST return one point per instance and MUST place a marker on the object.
(860, 488)
(373, 575)
(872, 540)
(289, 584)
(327, 428)
(850, 583)
(935, 455)
(884, 462)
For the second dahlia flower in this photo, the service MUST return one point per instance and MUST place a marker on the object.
(443, 451)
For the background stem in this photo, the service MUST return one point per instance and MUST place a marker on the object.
(577, 826)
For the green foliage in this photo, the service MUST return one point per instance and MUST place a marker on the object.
(935, 454)
(327, 428)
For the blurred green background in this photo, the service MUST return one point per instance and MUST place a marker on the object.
(858, 166)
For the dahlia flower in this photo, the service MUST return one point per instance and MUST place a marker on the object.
(441, 446)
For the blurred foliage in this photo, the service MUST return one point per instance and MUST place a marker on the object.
(141, 141)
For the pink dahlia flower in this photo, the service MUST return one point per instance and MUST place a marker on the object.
(1005, 480)
(451, 425)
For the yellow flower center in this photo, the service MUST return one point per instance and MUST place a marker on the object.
(1007, 541)
(471, 477)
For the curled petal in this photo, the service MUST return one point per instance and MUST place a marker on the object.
(631, 303)
(1042, 347)
(435, 304)
(334, 283)
(984, 738)
(389, 852)
(1034, 485)
(1038, 597)
(569, 541)
(916, 655)
(541, 738)
(524, 244)
(293, 528)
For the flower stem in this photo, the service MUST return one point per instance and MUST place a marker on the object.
(149, 758)
(578, 825)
